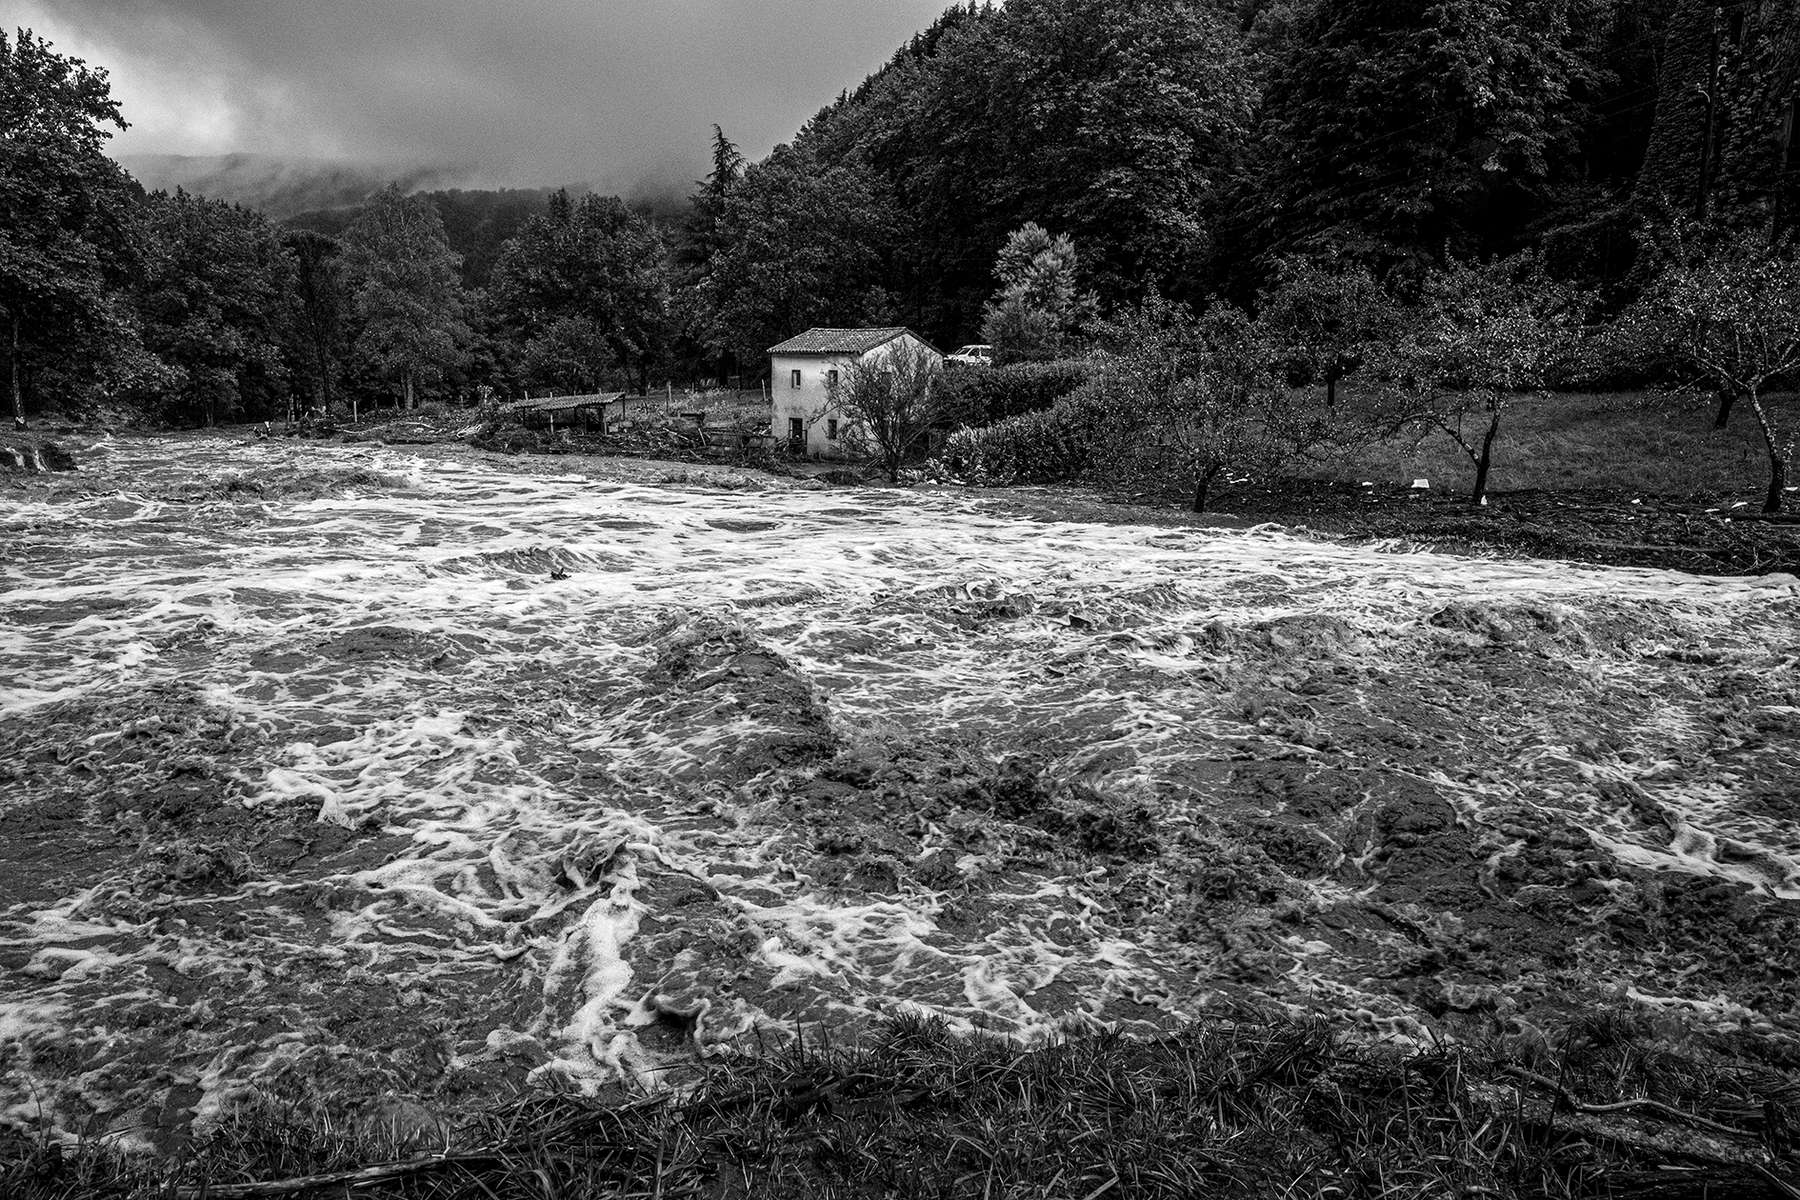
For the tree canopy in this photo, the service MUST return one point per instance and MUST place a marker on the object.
(586, 275)
(215, 284)
(404, 292)
(803, 244)
(66, 241)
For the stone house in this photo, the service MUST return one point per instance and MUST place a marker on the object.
(803, 371)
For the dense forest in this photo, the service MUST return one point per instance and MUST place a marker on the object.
(1031, 174)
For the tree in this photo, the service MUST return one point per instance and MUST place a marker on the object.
(1325, 313)
(1732, 319)
(405, 291)
(1038, 310)
(593, 262)
(1111, 120)
(701, 239)
(1395, 129)
(697, 252)
(887, 401)
(317, 315)
(212, 299)
(802, 244)
(1481, 337)
(1725, 115)
(571, 352)
(1197, 398)
(65, 244)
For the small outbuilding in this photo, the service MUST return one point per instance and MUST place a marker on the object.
(565, 412)
(804, 370)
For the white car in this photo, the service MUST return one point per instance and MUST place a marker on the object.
(978, 354)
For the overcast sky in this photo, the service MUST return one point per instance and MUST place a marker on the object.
(617, 93)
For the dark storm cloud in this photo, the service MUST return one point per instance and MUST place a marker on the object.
(620, 93)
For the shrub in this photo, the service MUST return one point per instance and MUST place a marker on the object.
(1033, 447)
(982, 396)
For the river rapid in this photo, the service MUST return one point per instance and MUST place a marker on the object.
(376, 773)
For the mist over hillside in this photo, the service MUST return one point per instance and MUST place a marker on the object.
(284, 187)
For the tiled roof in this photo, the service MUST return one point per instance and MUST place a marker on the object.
(839, 341)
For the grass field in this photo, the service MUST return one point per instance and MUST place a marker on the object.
(1630, 441)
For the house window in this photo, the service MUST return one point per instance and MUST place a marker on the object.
(831, 425)
(794, 378)
(831, 378)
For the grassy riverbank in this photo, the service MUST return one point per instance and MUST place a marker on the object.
(1614, 1106)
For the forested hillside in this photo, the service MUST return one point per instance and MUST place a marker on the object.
(477, 222)
(1200, 150)
(1188, 144)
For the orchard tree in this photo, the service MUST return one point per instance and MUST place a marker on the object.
(888, 401)
(1039, 309)
(1732, 320)
(405, 291)
(1325, 314)
(65, 244)
(1483, 336)
(1197, 398)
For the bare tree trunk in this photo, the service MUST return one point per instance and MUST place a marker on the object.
(407, 390)
(1678, 135)
(1779, 454)
(1727, 398)
(1485, 461)
(18, 396)
(1203, 487)
(1331, 390)
(324, 378)
(1709, 136)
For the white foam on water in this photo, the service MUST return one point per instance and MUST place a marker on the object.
(473, 674)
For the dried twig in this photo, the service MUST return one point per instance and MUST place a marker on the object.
(362, 1177)
(1645, 1104)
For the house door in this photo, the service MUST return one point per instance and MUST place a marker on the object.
(797, 434)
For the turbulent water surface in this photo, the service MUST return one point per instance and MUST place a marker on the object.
(351, 772)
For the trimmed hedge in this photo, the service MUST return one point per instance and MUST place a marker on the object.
(984, 395)
(1049, 446)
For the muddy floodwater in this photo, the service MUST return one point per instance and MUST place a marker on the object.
(375, 774)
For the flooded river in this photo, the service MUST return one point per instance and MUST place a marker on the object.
(329, 770)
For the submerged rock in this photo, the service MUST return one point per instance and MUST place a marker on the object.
(26, 454)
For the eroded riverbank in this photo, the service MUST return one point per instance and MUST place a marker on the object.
(369, 772)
